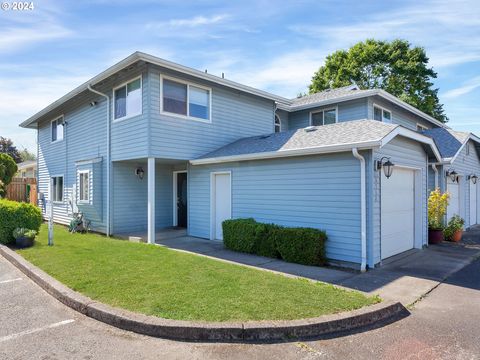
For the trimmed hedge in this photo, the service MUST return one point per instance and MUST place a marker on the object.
(298, 245)
(17, 215)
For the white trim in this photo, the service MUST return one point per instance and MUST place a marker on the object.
(51, 189)
(151, 201)
(188, 84)
(275, 123)
(286, 153)
(323, 111)
(363, 209)
(114, 120)
(421, 127)
(63, 134)
(83, 201)
(388, 121)
(212, 199)
(175, 195)
(89, 161)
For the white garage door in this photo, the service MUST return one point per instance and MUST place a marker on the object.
(453, 207)
(398, 212)
(473, 204)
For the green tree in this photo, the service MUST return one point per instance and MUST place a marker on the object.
(27, 155)
(394, 66)
(8, 168)
(7, 147)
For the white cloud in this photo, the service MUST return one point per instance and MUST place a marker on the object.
(197, 21)
(464, 89)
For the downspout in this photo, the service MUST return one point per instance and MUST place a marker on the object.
(363, 208)
(435, 170)
(108, 153)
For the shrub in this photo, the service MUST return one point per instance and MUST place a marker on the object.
(437, 208)
(17, 215)
(8, 169)
(301, 245)
(239, 234)
(24, 232)
(455, 224)
(264, 244)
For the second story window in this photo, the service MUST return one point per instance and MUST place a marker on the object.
(323, 117)
(382, 114)
(186, 100)
(57, 128)
(128, 99)
(278, 124)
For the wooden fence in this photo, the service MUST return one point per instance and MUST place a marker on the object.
(23, 189)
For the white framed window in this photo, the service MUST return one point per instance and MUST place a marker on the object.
(382, 114)
(278, 124)
(84, 186)
(56, 187)
(421, 127)
(186, 100)
(323, 117)
(127, 99)
(57, 129)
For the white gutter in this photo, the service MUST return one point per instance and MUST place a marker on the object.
(89, 87)
(434, 167)
(363, 208)
(287, 153)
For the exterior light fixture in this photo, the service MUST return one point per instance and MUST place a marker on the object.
(473, 177)
(139, 172)
(452, 174)
(386, 165)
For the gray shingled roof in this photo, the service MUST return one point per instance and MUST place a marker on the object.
(350, 132)
(448, 141)
(326, 95)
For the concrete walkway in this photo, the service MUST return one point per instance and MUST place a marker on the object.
(404, 278)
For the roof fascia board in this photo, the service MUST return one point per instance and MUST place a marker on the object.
(288, 153)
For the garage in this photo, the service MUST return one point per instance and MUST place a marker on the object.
(398, 212)
(453, 207)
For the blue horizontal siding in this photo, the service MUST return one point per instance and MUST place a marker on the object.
(317, 191)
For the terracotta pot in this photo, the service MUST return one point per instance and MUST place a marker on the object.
(435, 236)
(457, 235)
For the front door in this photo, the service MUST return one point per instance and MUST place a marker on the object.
(182, 199)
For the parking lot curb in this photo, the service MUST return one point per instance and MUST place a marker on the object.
(250, 331)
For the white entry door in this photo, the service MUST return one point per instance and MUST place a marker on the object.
(221, 201)
(398, 212)
(473, 204)
(453, 207)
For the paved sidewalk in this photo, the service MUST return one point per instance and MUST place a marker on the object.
(404, 278)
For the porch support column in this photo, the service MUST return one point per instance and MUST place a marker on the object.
(151, 200)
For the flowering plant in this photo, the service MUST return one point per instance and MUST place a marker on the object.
(437, 208)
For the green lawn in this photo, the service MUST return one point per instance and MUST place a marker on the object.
(157, 281)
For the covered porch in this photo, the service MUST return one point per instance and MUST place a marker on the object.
(149, 198)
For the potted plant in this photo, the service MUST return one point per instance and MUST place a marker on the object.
(454, 229)
(24, 237)
(437, 208)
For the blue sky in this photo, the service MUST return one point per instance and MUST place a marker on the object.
(275, 46)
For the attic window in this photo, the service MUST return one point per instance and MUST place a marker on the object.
(381, 114)
(323, 117)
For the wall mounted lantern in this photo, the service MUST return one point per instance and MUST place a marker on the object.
(139, 172)
(386, 165)
(473, 177)
(452, 174)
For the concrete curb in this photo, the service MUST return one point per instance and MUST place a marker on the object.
(252, 331)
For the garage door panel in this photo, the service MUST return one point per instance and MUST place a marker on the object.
(398, 212)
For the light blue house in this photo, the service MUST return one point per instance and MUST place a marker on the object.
(150, 144)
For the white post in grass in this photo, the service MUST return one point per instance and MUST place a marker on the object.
(151, 200)
(50, 222)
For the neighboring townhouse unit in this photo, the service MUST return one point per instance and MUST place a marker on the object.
(27, 169)
(458, 173)
(149, 144)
